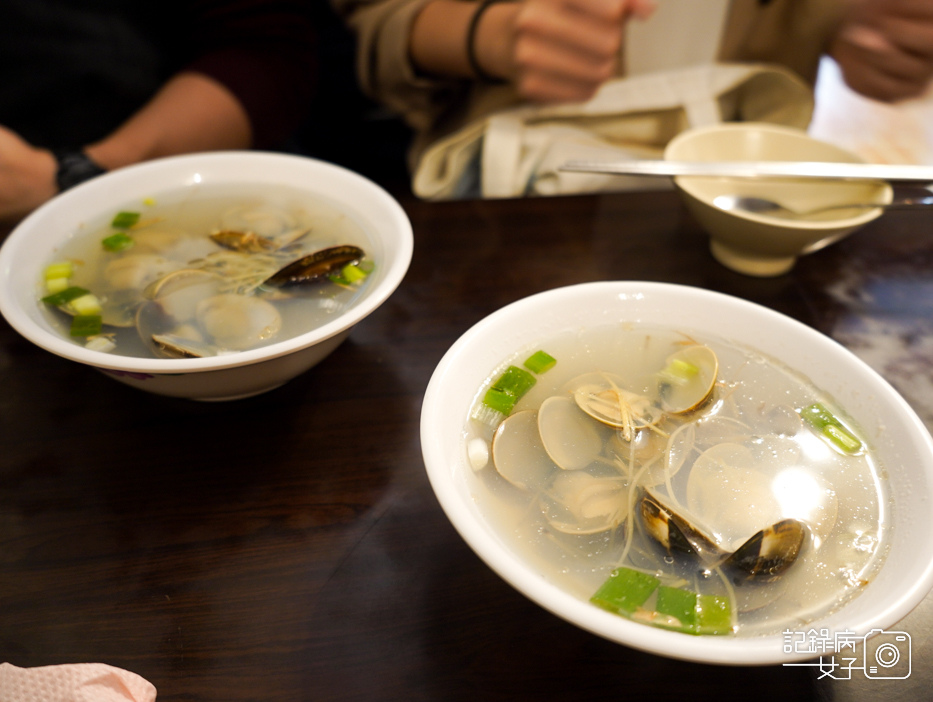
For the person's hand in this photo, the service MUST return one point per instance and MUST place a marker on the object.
(27, 176)
(885, 48)
(559, 50)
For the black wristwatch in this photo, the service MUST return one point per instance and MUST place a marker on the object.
(74, 167)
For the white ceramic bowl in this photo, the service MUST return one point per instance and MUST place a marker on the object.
(759, 244)
(902, 443)
(28, 249)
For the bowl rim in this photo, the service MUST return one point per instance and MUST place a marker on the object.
(732, 651)
(174, 167)
(686, 183)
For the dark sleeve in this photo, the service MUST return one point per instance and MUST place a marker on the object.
(264, 52)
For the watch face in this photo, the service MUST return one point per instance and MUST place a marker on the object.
(75, 167)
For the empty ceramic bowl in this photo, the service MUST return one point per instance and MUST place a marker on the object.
(762, 244)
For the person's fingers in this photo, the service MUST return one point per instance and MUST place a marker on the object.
(555, 23)
(865, 76)
(877, 67)
(565, 49)
(550, 88)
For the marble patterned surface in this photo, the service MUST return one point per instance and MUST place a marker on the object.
(890, 327)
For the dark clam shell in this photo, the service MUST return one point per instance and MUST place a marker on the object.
(770, 552)
(247, 242)
(316, 266)
(674, 532)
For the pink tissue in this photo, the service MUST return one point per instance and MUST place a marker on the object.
(79, 682)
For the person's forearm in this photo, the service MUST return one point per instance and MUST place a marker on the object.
(550, 50)
(438, 42)
(191, 112)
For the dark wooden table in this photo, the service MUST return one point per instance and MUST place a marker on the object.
(288, 547)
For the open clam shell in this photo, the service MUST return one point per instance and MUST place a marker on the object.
(570, 437)
(187, 316)
(517, 452)
(603, 397)
(577, 502)
(688, 379)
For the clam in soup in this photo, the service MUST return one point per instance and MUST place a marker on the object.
(678, 480)
(206, 273)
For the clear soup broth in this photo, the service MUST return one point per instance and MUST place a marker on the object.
(193, 269)
(701, 471)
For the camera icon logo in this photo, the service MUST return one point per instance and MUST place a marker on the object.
(887, 654)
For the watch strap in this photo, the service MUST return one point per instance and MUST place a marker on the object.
(74, 167)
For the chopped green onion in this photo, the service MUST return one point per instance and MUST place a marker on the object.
(509, 389)
(62, 298)
(499, 401)
(484, 414)
(625, 591)
(63, 269)
(829, 426)
(124, 220)
(86, 305)
(714, 615)
(540, 362)
(55, 285)
(354, 273)
(350, 274)
(628, 592)
(679, 371)
(117, 242)
(680, 606)
(86, 325)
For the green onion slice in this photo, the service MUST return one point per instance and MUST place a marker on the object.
(679, 371)
(124, 220)
(540, 362)
(85, 305)
(510, 387)
(714, 615)
(830, 428)
(62, 269)
(641, 597)
(65, 296)
(55, 285)
(351, 274)
(117, 242)
(679, 608)
(625, 591)
(86, 325)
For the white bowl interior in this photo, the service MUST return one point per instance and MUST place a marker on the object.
(901, 441)
(31, 245)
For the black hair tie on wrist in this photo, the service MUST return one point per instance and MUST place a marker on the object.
(471, 43)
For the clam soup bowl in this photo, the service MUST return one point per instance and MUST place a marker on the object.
(900, 441)
(760, 244)
(32, 245)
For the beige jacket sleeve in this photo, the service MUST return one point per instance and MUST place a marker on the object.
(384, 68)
(791, 33)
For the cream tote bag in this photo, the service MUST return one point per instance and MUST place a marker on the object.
(517, 152)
